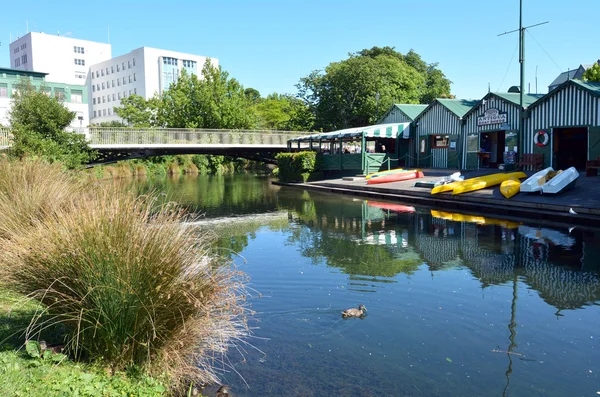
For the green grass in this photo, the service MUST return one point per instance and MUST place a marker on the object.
(22, 375)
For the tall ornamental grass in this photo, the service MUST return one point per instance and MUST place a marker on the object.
(129, 284)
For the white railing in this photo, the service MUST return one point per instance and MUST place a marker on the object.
(152, 136)
(4, 138)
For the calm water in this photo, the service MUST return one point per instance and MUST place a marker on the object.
(457, 305)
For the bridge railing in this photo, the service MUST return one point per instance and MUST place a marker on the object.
(149, 136)
(4, 137)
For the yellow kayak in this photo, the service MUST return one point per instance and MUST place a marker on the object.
(480, 220)
(486, 181)
(510, 187)
(447, 187)
(379, 173)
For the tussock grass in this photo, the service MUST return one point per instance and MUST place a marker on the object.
(128, 283)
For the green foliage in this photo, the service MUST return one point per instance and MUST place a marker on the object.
(252, 94)
(345, 94)
(592, 74)
(284, 112)
(296, 167)
(38, 126)
(112, 123)
(139, 112)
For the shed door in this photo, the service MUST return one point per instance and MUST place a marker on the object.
(593, 143)
(453, 152)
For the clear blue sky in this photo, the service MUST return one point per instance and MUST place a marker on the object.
(270, 45)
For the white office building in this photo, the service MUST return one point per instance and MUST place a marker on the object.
(65, 59)
(144, 71)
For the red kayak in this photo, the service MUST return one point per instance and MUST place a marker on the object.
(391, 206)
(401, 176)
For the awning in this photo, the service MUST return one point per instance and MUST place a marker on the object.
(392, 130)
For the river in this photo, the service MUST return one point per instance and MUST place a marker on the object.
(457, 305)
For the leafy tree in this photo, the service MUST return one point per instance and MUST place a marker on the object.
(252, 94)
(38, 124)
(592, 74)
(112, 123)
(215, 101)
(138, 111)
(284, 112)
(345, 93)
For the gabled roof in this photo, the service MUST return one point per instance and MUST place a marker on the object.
(410, 110)
(591, 87)
(564, 76)
(512, 97)
(459, 107)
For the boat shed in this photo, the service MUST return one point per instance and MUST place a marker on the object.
(356, 150)
(439, 129)
(564, 125)
(404, 113)
(491, 129)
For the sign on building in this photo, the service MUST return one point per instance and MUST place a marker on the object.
(492, 116)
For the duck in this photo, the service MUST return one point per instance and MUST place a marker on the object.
(353, 312)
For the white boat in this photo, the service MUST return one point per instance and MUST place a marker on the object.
(535, 182)
(561, 181)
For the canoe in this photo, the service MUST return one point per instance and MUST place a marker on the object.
(391, 206)
(534, 183)
(509, 188)
(486, 181)
(376, 174)
(396, 177)
(561, 181)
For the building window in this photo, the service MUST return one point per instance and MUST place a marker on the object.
(24, 58)
(97, 73)
(107, 71)
(76, 96)
(124, 81)
(130, 92)
(135, 90)
(112, 69)
(108, 98)
(101, 72)
(17, 62)
(124, 94)
(80, 62)
(123, 65)
(23, 46)
(439, 141)
(93, 88)
(113, 83)
(78, 50)
(118, 82)
(104, 112)
(92, 75)
(130, 78)
(134, 79)
(114, 97)
(133, 61)
(15, 50)
(94, 113)
(128, 64)
(118, 68)
(103, 99)
(3, 90)
(109, 111)
(59, 94)
(94, 101)
(103, 85)
(98, 87)
(119, 95)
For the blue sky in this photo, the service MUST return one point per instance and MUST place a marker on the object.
(270, 45)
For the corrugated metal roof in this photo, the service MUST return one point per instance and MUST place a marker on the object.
(591, 87)
(411, 110)
(564, 76)
(459, 107)
(515, 97)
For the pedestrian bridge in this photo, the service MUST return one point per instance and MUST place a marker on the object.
(114, 144)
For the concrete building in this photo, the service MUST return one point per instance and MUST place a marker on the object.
(63, 59)
(144, 71)
(75, 97)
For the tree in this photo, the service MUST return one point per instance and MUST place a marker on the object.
(138, 111)
(284, 112)
(252, 94)
(592, 74)
(38, 124)
(213, 101)
(355, 91)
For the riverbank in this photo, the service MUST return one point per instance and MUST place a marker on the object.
(584, 198)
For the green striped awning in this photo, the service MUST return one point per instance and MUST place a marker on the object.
(392, 130)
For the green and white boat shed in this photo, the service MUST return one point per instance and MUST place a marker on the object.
(564, 125)
(439, 131)
(356, 150)
(491, 128)
(404, 113)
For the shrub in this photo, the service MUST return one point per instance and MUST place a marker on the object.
(128, 284)
(296, 167)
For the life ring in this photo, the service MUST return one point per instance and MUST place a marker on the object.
(545, 138)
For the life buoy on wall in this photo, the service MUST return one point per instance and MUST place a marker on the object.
(544, 138)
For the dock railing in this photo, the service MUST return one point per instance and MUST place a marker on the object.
(4, 138)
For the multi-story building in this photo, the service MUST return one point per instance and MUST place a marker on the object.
(63, 59)
(144, 71)
(75, 97)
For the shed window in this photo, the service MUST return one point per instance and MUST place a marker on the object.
(439, 141)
